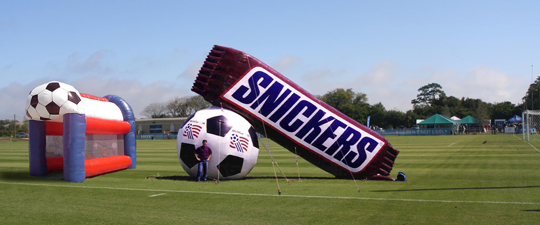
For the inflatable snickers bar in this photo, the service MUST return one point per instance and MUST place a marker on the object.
(292, 117)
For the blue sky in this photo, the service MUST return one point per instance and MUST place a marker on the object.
(150, 51)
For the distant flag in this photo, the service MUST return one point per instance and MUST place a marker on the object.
(367, 125)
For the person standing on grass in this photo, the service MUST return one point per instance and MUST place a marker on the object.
(203, 155)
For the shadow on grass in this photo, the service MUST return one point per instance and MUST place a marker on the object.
(182, 178)
(25, 176)
(188, 178)
(531, 210)
(455, 189)
(293, 178)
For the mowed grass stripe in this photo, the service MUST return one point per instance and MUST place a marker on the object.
(478, 168)
(275, 195)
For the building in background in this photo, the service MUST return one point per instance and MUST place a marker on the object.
(159, 125)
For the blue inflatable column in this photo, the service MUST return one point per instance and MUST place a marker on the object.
(74, 144)
(36, 146)
(130, 145)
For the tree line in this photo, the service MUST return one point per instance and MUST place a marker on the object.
(9, 127)
(356, 106)
(176, 107)
(431, 99)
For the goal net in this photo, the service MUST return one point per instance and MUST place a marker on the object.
(530, 125)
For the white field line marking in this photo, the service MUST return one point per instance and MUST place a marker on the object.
(454, 143)
(527, 143)
(291, 196)
(157, 195)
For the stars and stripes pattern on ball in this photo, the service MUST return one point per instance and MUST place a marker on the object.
(192, 131)
(239, 143)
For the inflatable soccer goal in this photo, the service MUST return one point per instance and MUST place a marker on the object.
(80, 134)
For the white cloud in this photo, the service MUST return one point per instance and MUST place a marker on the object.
(386, 82)
(190, 73)
(95, 64)
(286, 63)
(379, 74)
(317, 83)
(138, 95)
(9, 66)
(381, 84)
(317, 75)
(13, 99)
(487, 84)
(140, 80)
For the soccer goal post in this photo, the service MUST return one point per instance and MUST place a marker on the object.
(530, 125)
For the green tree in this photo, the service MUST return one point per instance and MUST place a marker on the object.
(410, 118)
(396, 119)
(428, 94)
(456, 108)
(9, 127)
(348, 102)
(505, 110)
(532, 96)
(155, 110)
(430, 100)
(176, 107)
(476, 108)
(377, 115)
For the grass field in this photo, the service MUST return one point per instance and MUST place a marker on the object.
(461, 179)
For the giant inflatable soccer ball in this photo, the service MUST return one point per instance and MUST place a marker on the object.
(51, 100)
(232, 139)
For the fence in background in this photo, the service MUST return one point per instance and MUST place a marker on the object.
(157, 136)
(412, 132)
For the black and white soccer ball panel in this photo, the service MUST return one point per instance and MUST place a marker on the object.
(50, 101)
(228, 135)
